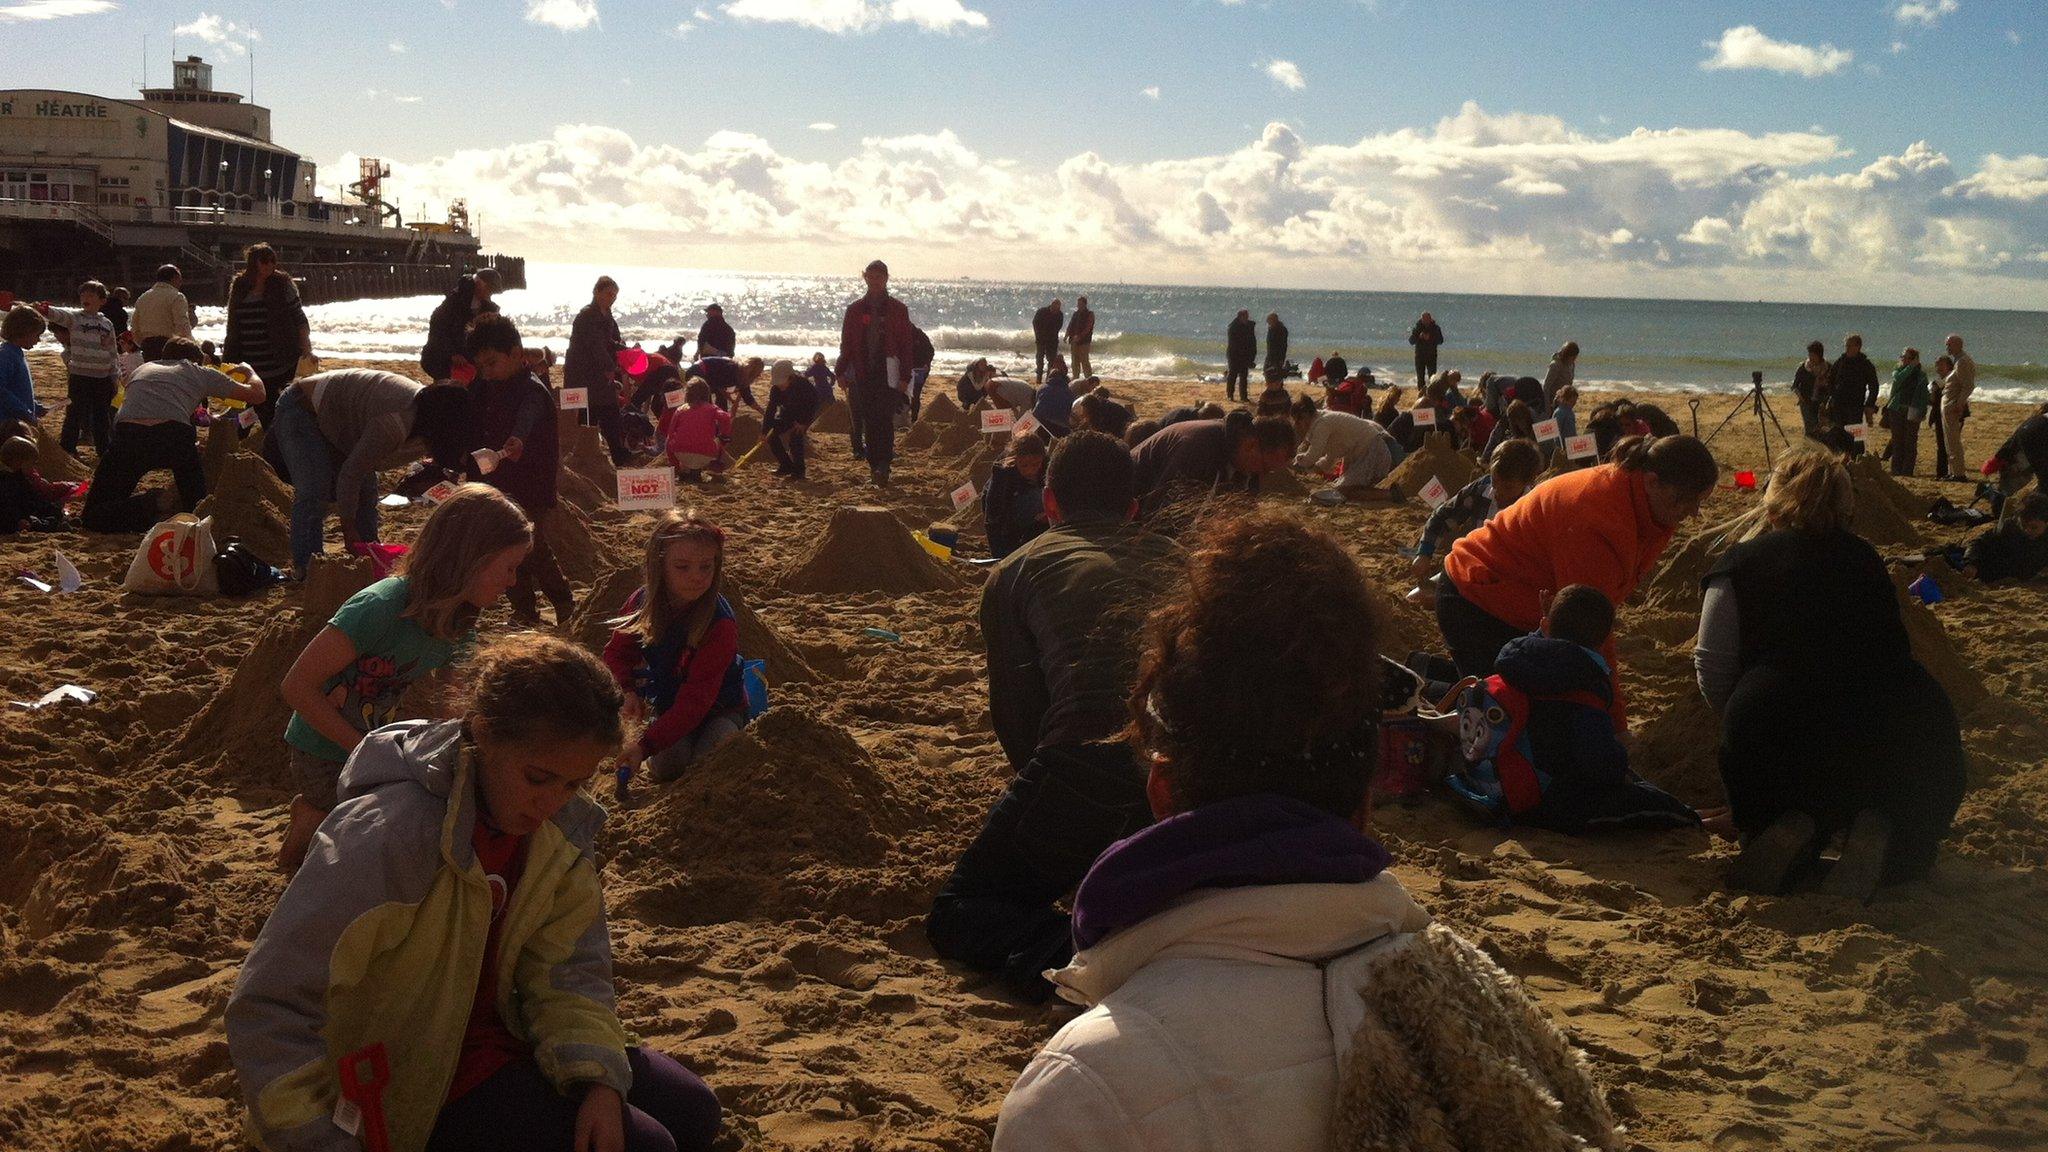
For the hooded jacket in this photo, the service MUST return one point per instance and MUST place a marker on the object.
(380, 940)
(1568, 740)
(446, 326)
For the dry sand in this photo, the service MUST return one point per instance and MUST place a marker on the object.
(766, 909)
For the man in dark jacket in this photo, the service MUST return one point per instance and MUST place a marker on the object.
(875, 354)
(470, 299)
(1059, 619)
(1427, 338)
(513, 413)
(716, 337)
(1081, 340)
(593, 363)
(1194, 458)
(1276, 349)
(921, 356)
(1240, 352)
(1852, 396)
(1045, 333)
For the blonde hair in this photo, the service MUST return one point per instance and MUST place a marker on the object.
(472, 525)
(1811, 492)
(657, 614)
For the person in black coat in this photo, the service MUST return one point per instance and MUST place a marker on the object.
(1240, 351)
(786, 422)
(715, 337)
(1828, 722)
(1852, 396)
(1014, 500)
(1427, 337)
(469, 299)
(1276, 349)
(1045, 335)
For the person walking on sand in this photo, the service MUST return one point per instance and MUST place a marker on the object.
(1427, 338)
(875, 351)
(1276, 350)
(1240, 352)
(1955, 407)
(593, 364)
(715, 337)
(1045, 336)
(1080, 335)
(1810, 386)
(161, 313)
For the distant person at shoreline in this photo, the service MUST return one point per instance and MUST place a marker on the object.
(161, 312)
(1905, 406)
(1563, 370)
(1428, 337)
(454, 919)
(154, 430)
(1804, 753)
(922, 355)
(715, 337)
(1197, 458)
(1956, 389)
(820, 375)
(1276, 350)
(267, 326)
(1081, 339)
(1810, 384)
(593, 364)
(1058, 622)
(469, 299)
(1852, 397)
(875, 349)
(1240, 351)
(1045, 337)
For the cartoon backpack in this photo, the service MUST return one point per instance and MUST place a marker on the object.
(1500, 778)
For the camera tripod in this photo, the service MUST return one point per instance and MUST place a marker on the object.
(1759, 404)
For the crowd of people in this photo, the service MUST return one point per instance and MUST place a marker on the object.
(1189, 692)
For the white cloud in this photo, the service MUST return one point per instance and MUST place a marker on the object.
(824, 126)
(2012, 35)
(1898, 47)
(220, 32)
(1286, 74)
(847, 16)
(1925, 13)
(1511, 201)
(28, 10)
(397, 47)
(1745, 47)
(562, 15)
(1149, 92)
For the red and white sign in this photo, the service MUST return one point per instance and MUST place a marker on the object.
(437, 493)
(997, 420)
(1857, 432)
(1026, 425)
(1548, 430)
(963, 496)
(575, 399)
(1582, 447)
(1425, 416)
(646, 489)
(1434, 494)
(674, 397)
(246, 418)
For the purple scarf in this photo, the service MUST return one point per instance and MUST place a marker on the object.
(1243, 842)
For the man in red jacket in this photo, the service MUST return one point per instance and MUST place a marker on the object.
(874, 365)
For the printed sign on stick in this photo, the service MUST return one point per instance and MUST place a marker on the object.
(437, 493)
(1425, 416)
(1857, 432)
(1026, 425)
(1548, 430)
(1582, 447)
(674, 397)
(1434, 494)
(646, 489)
(963, 496)
(575, 399)
(997, 420)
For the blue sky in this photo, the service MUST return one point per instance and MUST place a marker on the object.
(1390, 144)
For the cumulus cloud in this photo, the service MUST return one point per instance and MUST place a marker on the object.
(219, 32)
(1286, 74)
(1507, 201)
(28, 10)
(562, 15)
(824, 126)
(1925, 13)
(841, 17)
(1746, 47)
(1149, 92)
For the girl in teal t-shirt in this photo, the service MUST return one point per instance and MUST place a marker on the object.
(349, 680)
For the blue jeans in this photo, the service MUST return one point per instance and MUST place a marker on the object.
(310, 459)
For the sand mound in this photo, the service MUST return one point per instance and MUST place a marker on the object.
(1675, 585)
(581, 554)
(980, 463)
(238, 738)
(1874, 481)
(1436, 458)
(759, 827)
(866, 550)
(746, 432)
(920, 437)
(577, 490)
(65, 869)
(330, 580)
(836, 418)
(941, 409)
(953, 439)
(223, 442)
(584, 453)
(54, 462)
(1680, 751)
(1283, 483)
(591, 626)
(1937, 653)
(251, 503)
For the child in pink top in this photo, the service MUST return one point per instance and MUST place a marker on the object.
(694, 436)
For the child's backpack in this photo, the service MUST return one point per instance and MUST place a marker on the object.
(1501, 778)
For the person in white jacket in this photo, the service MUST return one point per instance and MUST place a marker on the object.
(1255, 978)
(1365, 449)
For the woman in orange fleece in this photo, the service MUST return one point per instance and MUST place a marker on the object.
(1603, 527)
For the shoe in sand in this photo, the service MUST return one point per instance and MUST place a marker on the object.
(1770, 860)
(1857, 872)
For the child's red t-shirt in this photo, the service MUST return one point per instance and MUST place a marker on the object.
(487, 1044)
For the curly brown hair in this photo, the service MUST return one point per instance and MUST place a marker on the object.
(1260, 673)
(529, 686)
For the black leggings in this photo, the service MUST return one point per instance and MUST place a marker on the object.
(90, 414)
(788, 446)
(111, 504)
(1474, 635)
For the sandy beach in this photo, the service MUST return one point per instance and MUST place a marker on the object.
(767, 909)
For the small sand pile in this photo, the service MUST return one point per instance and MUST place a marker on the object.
(791, 805)
(238, 738)
(1872, 480)
(1437, 458)
(940, 414)
(249, 502)
(579, 552)
(746, 432)
(67, 870)
(1884, 510)
(837, 418)
(941, 409)
(1937, 653)
(577, 490)
(330, 580)
(223, 442)
(55, 463)
(591, 626)
(1283, 483)
(1675, 585)
(953, 439)
(867, 549)
(920, 437)
(584, 453)
(1680, 751)
(980, 462)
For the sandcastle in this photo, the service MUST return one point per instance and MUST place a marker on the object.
(250, 503)
(1437, 458)
(866, 549)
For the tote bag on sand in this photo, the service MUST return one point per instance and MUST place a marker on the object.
(176, 558)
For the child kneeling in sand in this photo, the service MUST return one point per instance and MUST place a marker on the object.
(2014, 550)
(450, 927)
(1513, 473)
(348, 681)
(694, 436)
(1539, 733)
(676, 653)
(1256, 979)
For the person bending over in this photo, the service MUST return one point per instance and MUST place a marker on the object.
(154, 430)
(1058, 618)
(696, 434)
(2014, 550)
(1194, 458)
(1512, 475)
(1363, 449)
(1013, 503)
(786, 422)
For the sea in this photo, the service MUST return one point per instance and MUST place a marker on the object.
(1162, 332)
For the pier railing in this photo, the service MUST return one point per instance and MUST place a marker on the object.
(343, 219)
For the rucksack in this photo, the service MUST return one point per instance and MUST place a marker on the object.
(1501, 778)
